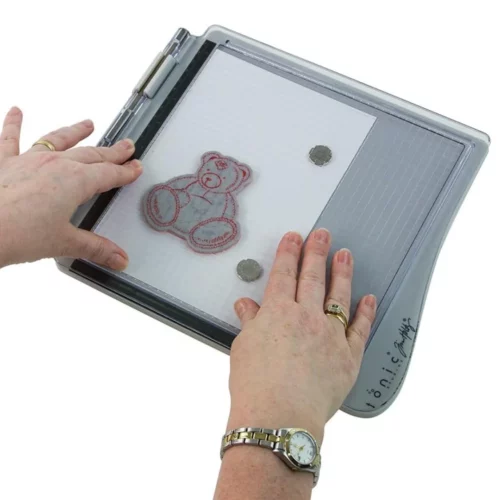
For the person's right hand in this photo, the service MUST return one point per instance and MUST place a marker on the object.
(41, 189)
(292, 365)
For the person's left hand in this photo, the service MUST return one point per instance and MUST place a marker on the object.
(41, 189)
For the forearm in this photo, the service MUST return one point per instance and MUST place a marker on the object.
(253, 473)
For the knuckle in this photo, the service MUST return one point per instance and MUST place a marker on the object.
(9, 139)
(64, 137)
(80, 171)
(10, 120)
(312, 275)
(61, 135)
(101, 153)
(116, 173)
(342, 272)
(47, 158)
(119, 170)
(278, 306)
(109, 175)
(367, 313)
(96, 155)
(283, 308)
(118, 148)
(89, 153)
(317, 248)
(96, 249)
(286, 271)
(109, 166)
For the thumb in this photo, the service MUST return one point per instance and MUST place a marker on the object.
(86, 245)
(246, 309)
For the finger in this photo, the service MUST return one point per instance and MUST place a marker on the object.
(89, 246)
(67, 137)
(359, 330)
(340, 282)
(246, 309)
(105, 176)
(11, 132)
(118, 153)
(283, 277)
(312, 277)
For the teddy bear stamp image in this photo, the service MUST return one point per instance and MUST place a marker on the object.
(201, 208)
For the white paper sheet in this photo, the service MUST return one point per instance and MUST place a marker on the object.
(265, 121)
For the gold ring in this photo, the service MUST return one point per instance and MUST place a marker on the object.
(45, 143)
(337, 312)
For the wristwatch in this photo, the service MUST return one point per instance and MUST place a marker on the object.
(296, 447)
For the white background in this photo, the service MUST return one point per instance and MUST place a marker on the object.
(98, 401)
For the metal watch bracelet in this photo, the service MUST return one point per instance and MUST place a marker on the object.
(272, 439)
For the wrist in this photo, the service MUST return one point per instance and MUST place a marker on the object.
(274, 417)
(4, 242)
(3, 256)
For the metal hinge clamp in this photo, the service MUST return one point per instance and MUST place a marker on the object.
(148, 85)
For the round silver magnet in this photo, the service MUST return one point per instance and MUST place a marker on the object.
(320, 155)
(248, 270)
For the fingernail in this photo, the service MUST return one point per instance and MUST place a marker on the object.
(126, 144)
(371, 301)
(14, 111)
(239, 307)
(321, 235)
(88, 123)
(344, 256)
(136, 164)
(117, 261)
(294, 238)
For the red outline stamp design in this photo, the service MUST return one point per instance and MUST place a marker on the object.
(201, 209)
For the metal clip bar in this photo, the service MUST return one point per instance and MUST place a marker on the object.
(148, 85)
(161, 66)
(141, 84)
(159, 76)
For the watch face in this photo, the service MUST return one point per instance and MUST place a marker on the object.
(302, 448)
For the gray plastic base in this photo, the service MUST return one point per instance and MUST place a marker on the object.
(392, 208)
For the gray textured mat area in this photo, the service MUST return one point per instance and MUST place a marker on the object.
(385, 197)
